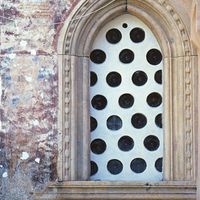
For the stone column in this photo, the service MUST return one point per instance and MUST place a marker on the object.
(195, 37)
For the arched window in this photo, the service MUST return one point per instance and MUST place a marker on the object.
(79, 47)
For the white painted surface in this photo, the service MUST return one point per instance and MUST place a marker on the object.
(112, 63)
(37, 160)
(24, 156)
(5, 175)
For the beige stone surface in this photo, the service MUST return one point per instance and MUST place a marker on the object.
(119, 191)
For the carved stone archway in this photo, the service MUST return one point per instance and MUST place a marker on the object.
(180, 95)
(195, 37)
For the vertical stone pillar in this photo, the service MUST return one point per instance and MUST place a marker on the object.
(195, 37)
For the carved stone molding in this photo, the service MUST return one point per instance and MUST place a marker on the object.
(119, 191)
(74, 46)
(195, 37)
(188, 95)
(180, 66)
(195, 23)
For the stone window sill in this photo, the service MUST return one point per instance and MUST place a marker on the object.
(97, 190)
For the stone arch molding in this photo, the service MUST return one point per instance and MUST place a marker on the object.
(74, 44)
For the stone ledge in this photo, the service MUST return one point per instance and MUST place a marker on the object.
(119, 191)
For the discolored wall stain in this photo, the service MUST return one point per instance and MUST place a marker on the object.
(29, 95)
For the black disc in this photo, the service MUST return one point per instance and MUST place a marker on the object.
(126, 56)
(98, 56)
(113, 36)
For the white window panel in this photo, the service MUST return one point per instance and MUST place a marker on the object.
(126, 102)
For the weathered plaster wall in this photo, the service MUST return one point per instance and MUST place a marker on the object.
(29, 93)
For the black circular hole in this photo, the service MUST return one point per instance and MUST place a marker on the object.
(151, 143)
(126, 100)
(138, 165)
(124, 25)
(113, 79)
(98, 146)
(154, 99)
(138, 120)
(159, 164)
(137, 35)
(139, 78)
(113, 36)
(154, 56)
(94, 168)
(99, 102)
(114, 166)
(125, 143)
(98, 56)
(93, 78)
(158, 77)
(158, 120)
(126, 56)
(114, 123)
(93, 124)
